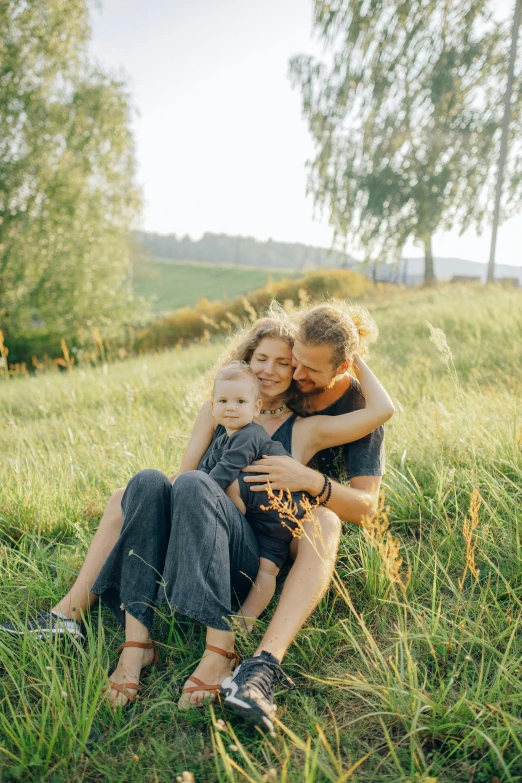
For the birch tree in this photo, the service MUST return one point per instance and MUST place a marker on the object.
(405, 115)
(67, 192)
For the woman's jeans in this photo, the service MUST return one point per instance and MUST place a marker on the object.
(183, 544)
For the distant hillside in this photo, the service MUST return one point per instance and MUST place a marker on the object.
(242, 251)
(446, 268)
(171, 284)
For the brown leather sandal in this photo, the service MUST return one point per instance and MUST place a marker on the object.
(122, 688)
(200, 685)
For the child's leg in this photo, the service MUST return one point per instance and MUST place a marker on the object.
(261, 593)
(235, 496)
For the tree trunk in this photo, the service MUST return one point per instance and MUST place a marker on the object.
(429, 271)
(504, 139)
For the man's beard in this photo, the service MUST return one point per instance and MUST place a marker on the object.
(315, 390)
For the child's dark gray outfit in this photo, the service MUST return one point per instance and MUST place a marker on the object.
(224, 461)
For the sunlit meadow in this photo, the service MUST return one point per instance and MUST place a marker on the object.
(409, 670)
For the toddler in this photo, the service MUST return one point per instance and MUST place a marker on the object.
(235, 403)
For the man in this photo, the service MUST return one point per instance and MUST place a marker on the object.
(328, 336)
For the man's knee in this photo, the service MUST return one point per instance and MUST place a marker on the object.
(328, 524)
(322, 534)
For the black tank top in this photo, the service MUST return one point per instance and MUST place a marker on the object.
(284, 433)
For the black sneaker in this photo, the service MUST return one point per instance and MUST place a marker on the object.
(45, 624)
(249, 691)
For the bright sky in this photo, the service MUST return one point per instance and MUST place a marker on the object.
(220, 142)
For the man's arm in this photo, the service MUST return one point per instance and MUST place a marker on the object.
(353, 503)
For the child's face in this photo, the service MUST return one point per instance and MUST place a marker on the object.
(234, 404)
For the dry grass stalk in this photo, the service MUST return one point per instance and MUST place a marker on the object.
(378, 535)
(468, 528)
(282, 502)
(303, 296)
(67, 360)
(235, 320)
(251, 312)
(210, 321)
(438, 338)
(98, 341)
(19, 368)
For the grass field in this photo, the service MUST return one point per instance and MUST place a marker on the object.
(173, 284)
(406, 672)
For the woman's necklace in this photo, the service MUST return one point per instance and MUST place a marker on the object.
(275, 411)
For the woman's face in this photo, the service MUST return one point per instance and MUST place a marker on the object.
(272, 363)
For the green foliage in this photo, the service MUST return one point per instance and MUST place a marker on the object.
(416, 683)
(67, 192)
(405, 118)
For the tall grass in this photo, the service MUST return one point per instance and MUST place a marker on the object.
(409, 670)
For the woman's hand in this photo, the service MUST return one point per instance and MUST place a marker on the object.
(283, 473)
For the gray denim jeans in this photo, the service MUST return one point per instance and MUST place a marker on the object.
(183, 544)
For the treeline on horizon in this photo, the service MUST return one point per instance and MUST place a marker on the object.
(239, 250)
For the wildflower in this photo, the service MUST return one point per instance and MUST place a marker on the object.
(136, 758)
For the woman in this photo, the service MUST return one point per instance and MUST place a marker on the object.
(177, 531)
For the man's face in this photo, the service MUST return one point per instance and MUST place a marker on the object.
(313, 368)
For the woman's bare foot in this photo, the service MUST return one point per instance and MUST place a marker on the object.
(212, 670)
(132, 661)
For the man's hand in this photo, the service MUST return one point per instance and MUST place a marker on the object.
(283, 473)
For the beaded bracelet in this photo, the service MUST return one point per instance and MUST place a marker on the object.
(329, 494)
(325, 485)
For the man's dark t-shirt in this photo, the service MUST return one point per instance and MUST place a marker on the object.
(363, 457)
